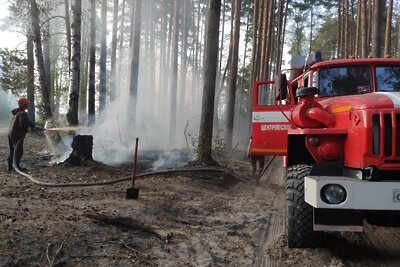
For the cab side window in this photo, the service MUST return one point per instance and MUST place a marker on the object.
(265, 92)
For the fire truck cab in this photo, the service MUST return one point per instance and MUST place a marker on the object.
(337, 124)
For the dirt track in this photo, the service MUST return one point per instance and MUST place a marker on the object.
(195, 219)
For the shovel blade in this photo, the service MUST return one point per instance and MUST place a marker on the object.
(132, 193)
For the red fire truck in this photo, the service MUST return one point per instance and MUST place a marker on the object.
(337, 124)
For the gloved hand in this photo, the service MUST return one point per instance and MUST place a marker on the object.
(36, 129)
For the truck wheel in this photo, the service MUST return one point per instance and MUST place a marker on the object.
(299, 220)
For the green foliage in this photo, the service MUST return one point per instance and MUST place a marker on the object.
(13, 71)
(217, 147)
(243, 90)
(304, 5)
(218, 144)
(325, 39)
(298, 41)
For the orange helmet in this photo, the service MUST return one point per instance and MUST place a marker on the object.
(23, 102)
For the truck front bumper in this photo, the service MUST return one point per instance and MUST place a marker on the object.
(360, 194)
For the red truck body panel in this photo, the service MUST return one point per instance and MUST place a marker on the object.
(369, 120)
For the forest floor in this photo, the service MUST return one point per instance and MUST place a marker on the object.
(197, 218)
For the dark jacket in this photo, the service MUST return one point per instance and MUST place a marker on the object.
(19, 124)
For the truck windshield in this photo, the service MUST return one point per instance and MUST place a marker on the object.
(388, 79)
(344, 81)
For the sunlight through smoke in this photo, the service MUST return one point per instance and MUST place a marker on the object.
(7, 103)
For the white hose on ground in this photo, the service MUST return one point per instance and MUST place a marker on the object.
(109, 182)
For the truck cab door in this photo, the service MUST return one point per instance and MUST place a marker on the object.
(271, 117)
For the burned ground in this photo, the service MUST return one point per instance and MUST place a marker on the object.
(180, 219)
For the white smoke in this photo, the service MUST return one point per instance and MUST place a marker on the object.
(172, 158)
(7, 103)
(114, 133)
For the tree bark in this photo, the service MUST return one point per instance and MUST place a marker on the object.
(92, 64)
(163, 51)
(72, 114)
(388, 31)
(37, 38)
(174, 76)
(398, 37)
(231, 90)
(376, 25)
(68, 31)
(270, 34)
(103, 57)
(255, 55)
(183, 72)
(121, 56)
(345, 29)
(135, 54)
(30, 83)
(114, 53)
(364, 34)
(46, 53)
(210, 71)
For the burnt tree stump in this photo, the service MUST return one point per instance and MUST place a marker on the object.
(82, 147)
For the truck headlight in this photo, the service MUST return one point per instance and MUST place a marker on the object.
(333, 194)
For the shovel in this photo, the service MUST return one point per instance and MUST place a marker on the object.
(133, 193)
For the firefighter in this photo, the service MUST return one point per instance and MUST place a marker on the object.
(18, 128)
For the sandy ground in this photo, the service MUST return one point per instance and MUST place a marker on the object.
(187, 219)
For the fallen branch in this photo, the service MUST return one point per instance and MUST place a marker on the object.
(127, 223)
(51, 260)
(134, 251)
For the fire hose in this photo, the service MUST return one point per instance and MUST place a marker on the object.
(109, 182)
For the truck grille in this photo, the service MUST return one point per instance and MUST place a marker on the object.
(386, 134)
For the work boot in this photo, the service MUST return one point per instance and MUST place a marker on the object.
(22, 169)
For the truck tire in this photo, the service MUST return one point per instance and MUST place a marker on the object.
(299, 221)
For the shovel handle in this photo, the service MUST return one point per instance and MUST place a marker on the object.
(134, 163)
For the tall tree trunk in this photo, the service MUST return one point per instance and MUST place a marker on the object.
(221, 48)
(121, 56)
(242, 92)
(370, 8)
(103, 57)
(196, 70)
(114, 52)
(398, 37)
(263, 42)
(68, 31)
(135, 54)
(46, 53)
(163, 51)
(210, 72)
(30, 83)
(255, 36)
(231, 90)
(92, 64)
(376, 26)
(339, 31)
(152, 66)
(174, 76)
(364, 34)
(358, 31)
(346, 29)
(183, 72)
(72, 114)
(388, 31)
(270, 34)
(85, 48)
(37, 38)
(280, 32)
